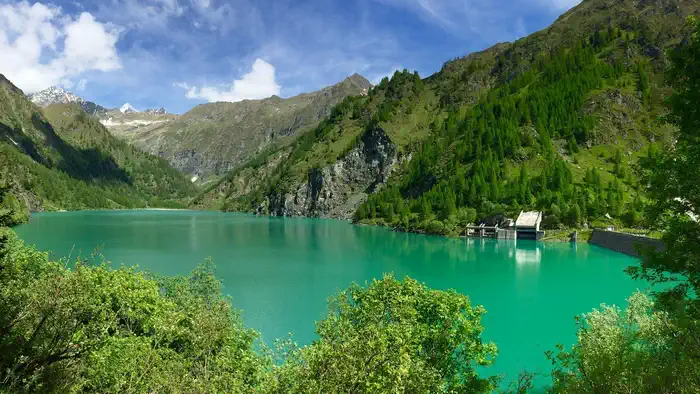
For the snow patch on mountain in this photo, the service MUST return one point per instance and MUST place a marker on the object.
(55, 95)
(112, 122)
(127, 109)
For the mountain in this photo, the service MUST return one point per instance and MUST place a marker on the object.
(56, 95)
(556, 121)
(212, 139)
(59, 157)
(157, 111)
(127, 109)
(129, 126)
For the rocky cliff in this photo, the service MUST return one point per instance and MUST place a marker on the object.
(337, 190)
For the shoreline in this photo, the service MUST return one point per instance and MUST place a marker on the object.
(117, 210)
(554, 236)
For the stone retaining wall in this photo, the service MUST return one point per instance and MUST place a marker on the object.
(623, 243)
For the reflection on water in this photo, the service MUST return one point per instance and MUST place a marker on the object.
(281, 271)
(527, 253)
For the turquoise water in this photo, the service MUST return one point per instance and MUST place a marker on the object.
(280, 271)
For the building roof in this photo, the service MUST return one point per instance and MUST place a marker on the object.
(528, 219)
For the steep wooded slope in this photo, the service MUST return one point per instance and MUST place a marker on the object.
(555, 121)
(62, 158)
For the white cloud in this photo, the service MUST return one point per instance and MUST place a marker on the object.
(82, 84)
(89, 46)
(152, 15)
(442, 12)
(41, 46)
(259, 83)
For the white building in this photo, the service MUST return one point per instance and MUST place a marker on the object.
(528, 225)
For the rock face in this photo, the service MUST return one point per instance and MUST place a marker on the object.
(189, 161)
(336, 191)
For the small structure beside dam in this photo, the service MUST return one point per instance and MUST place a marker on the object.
(622, 242)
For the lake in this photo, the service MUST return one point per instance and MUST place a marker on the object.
(279, 272)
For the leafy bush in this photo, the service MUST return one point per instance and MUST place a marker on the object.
(391, 336)
(631, 351)
(98, 329)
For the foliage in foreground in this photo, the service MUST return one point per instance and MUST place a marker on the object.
(630, 351)
(673, 185)
(97, 329)
(391, 337)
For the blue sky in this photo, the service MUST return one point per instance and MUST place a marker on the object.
(180, 53)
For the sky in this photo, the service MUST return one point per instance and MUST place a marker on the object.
(180, 53)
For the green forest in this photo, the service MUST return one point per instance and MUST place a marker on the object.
(475, 183)
(562, 122)
(93, 328)
(480, 176)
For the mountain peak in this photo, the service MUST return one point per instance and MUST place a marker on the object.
(157, 111)
(358, 80)
(127, 109)
(55, 95)
(6, 82)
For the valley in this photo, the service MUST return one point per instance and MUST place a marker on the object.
(114, 218)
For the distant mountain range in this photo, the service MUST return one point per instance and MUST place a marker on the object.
(57, 95)
(554, 122)
(212, 139)
(127, 109)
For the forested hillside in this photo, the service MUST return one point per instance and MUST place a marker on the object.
(62, 158)
(557, 121)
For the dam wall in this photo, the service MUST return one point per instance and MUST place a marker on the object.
(623, 243)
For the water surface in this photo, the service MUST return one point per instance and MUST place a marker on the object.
(280, 271)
